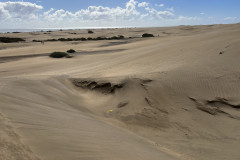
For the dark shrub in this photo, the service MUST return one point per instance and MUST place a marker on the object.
(100, 38)
(58, 54)
(76, 39)
(10, 40)
(121, 37)
(89, 38)
(62, 39)
(71, 51)
(83, 39)
(90, 32)
(35, 40)
(69, 39)
(52, 40)
(147, 35)
(65, 39)
(114, 37)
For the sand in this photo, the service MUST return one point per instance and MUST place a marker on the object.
(171, 97)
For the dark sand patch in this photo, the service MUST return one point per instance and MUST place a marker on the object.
(99, 51)
(15, 58)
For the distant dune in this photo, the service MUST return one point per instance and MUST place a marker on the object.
(175, 96)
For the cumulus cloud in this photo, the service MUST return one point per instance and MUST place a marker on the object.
(230, 18)
(3, 12)
(159, 5)
(159, 14)
(92, 13)
(18, 9)
(143, 4)
(48, 12)
(130, 14)
(96, 13)
(185, 18)
(171, 9)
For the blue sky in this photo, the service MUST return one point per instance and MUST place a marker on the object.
(116, 13)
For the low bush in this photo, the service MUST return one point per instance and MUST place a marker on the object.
(83, 39)
(10, 40)
(90, 32)
(116, 37)
(58, 54)
(52, 40)
(147, 35)
(36, 40)
(100, 38)
(71, 51)
(62, 39)
(121, 37)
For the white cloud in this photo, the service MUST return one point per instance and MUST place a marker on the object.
(18, 9)
(106, 14)
(131, 5)
(159, 14)
(18, 13)
(143, 4)
(159, 5)
(202, 13)
(48, 12)
(171, 9)
(93, 13)
(184, 18)
(144, 16)
(230, 18)
(3, 12)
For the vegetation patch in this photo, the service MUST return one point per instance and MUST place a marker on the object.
(71, 51)
(147, 35)
(82, 39)
(116, 37)
(58, 54)
(90, 32)
(52, 40)
(10, 40)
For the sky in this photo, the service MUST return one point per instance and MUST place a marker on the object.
(29, 14)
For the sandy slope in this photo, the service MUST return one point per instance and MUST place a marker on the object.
(173, 96)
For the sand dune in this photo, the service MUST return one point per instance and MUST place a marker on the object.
(174, 96)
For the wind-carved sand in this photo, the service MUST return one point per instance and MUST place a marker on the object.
(174, 96)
